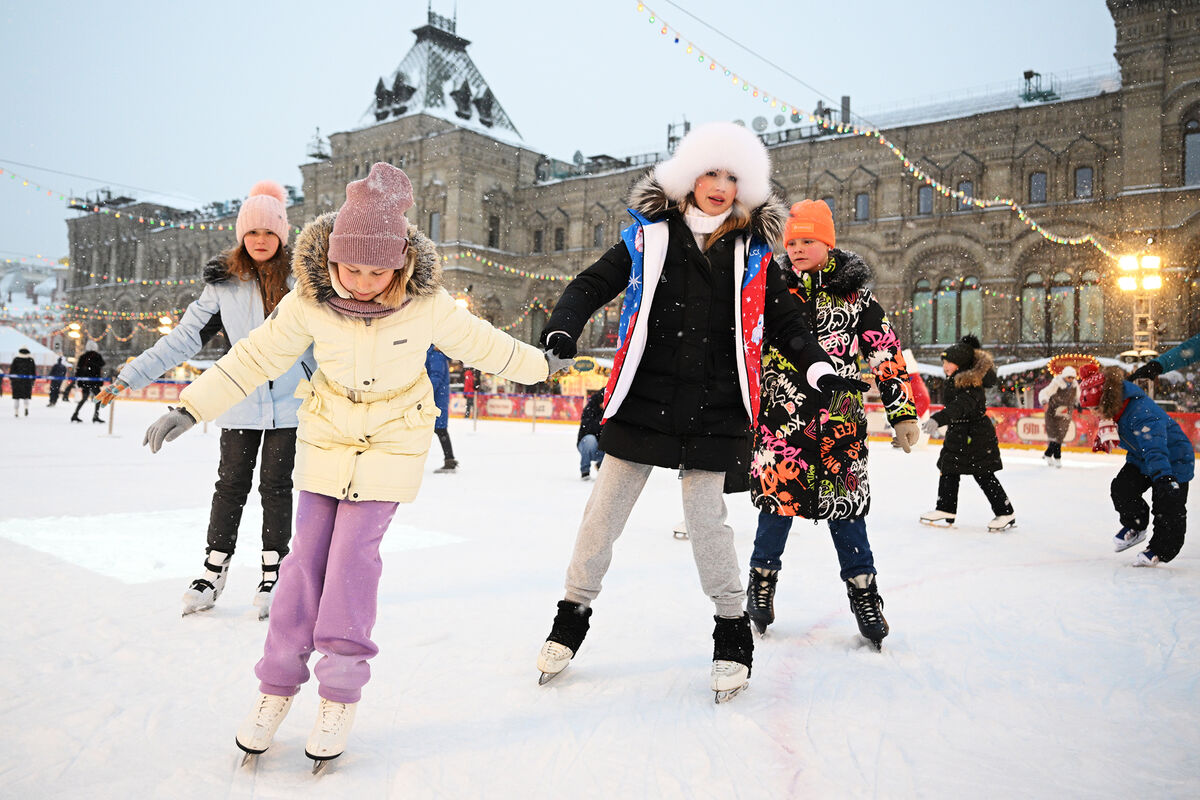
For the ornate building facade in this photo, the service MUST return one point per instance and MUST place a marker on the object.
(1119, 159)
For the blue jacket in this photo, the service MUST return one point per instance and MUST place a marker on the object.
(1155, 443)
(438, 367)
(1181, 354)
(235, 306)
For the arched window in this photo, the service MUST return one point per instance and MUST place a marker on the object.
(956, 310)
(922, 315)
(1191, 152)
(970, 305)
(945, 312)
(967, 188)
(1083, 182)
(1091, 307)
(1063, 309)
(1033, 309)
(1037, 187)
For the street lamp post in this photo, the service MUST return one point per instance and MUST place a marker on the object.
(1141, 276)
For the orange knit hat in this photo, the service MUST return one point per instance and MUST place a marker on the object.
(810, 219)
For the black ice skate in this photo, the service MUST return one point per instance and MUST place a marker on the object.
(570, 626)
(204, 591)
(733, 656)
(449, 465)
(266, 587)
(867, 606)
(760, 597)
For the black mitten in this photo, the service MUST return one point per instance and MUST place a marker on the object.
(558, 342)
(1146, 372)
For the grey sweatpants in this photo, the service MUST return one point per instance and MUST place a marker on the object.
(617, 489)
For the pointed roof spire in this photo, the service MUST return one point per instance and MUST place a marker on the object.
(438, 77)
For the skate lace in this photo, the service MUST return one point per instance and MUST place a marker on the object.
(867, 606)
(332, 717)
(270, 705)
(762, 590)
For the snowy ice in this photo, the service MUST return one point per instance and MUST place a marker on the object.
(1035, 663)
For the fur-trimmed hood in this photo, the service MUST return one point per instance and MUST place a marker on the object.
(648, 198)
(310, 262)
(980, 372)
(849, 274)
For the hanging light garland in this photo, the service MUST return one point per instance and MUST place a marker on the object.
(738, 81)
(91, 208)
(471, 255)
(100, 313)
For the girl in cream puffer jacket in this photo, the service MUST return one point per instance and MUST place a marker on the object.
(369, 299)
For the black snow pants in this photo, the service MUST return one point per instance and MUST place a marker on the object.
(1169, 510)
(239, 452)
(947, 498)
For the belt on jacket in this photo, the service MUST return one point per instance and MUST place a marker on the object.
(366, 395)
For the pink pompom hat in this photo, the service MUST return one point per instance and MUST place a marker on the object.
(264, 208)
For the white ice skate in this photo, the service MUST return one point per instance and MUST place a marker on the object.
(1058, 463)
(1146, 558)
(205, 590)
(552, 660)
(328, 738)
(729, 678)
(939, 519)
(266, 587)
(1002, 522)
(1127, 538)
(680, 531)
(257, 731)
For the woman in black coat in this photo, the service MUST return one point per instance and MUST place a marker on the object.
(971, 446)
(21, 374)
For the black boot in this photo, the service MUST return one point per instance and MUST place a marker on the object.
(566, 635)
(760, 597)
(867, 606)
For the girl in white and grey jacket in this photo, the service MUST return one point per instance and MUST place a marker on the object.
(241, 287)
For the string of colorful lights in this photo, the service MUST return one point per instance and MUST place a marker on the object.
(471, 255)
(92, 208)
(753, 90)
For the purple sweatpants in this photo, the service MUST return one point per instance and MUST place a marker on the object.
(326, 598)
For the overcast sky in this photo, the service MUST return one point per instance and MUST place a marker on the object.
(197, 101)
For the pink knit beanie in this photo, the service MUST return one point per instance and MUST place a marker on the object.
(264, 208)
(370, 229)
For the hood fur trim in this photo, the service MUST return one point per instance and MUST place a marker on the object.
(648, 198)
(850, 275)
(310, 262)
(977, 374)
(718, 145)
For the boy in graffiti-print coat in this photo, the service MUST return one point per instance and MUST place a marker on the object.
(811, 463)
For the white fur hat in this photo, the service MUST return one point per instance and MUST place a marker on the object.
(1067, 372)
(718, 145)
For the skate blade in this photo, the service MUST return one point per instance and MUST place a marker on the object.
(938, 523)
(1012, 524)
(248, 758)
(761, 629)
(187, 612)
(728, 694)
(320, 764)
(546, 677)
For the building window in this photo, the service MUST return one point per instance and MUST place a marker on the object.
(1064, 310)
(966, 188)
(537, 241)
(925, 200)
(598, 235)
(862, 206)
(1037, 187)
(922, 315)
(829, 202)
(493, 231)
(1191, 153)
(435, 226)
(1083, 182)
(560, 239)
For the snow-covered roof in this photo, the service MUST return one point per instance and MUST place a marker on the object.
(438, 78)
(12, 340)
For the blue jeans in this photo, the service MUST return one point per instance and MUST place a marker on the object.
(589, 453)
(849, 539)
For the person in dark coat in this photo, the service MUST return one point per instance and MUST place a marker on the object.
(587, 441)
(811, 463)
(1059, 398)
(1158, 457)
(971, 446)
(438, 368)
(21, 374)
(702, 291)
(58, 372)
(89, 376)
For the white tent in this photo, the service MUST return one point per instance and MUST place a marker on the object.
(12, 340)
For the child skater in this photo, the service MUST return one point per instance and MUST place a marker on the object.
(1059, 398)
(369, 300)
(700, 285)
(437, 367)
(1158, 457)
(971, 446)
(242, 286)
(808, 462)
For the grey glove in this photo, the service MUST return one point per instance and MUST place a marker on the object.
(556, 363)
(168, 428)
(930, 426)
(907, 434)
